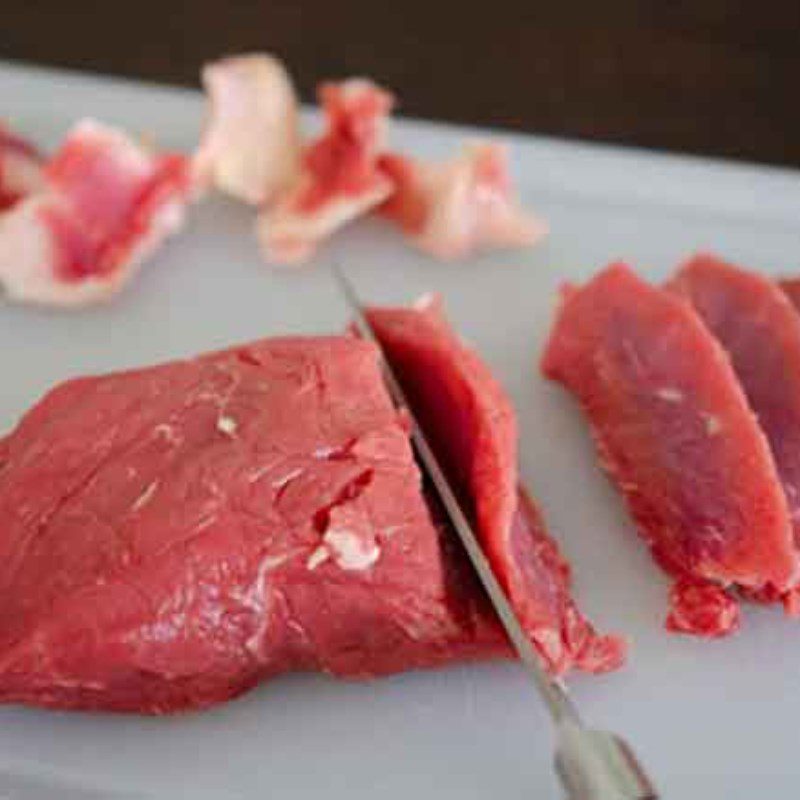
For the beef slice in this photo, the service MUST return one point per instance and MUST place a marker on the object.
(760, 330)
(674, 430)
(472, 427)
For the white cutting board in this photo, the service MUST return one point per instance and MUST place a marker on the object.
(713, 720)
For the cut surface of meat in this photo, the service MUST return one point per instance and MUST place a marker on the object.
(106, 205)
(450, 210)
(21, 168)
(250, 147)
(338, 181)
(173, 535)
(472, 427)
(674, 430)
(791, 288)
(760, 330)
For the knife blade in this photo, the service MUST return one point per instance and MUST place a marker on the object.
(592, 764)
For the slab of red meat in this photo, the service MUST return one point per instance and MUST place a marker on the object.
(170, 536)
(674, 430)
(760, 330)
(106, 204)
(21, 168)
(472, 427)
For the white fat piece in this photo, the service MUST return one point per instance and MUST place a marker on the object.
(346, 549)
(250, 147)
(227, 425)
(350, 551)
(470, 205)
(29, 250)
(669, 394)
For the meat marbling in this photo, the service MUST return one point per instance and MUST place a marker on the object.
(173, 535)
(675, 431)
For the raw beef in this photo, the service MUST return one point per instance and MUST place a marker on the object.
(251, 144)
(450, 210)
(20, 168)
(674, 430)
(791, 288)
(760, 330)
(171, 536)
(339, 180)
(472, 427)
(106, 206)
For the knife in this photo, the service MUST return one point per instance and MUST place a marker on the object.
(592, 764)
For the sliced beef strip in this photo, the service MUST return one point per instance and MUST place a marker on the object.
(760, 330)
(675, 431)
(472, 427)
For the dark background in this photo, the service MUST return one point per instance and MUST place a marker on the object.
(716, 77)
